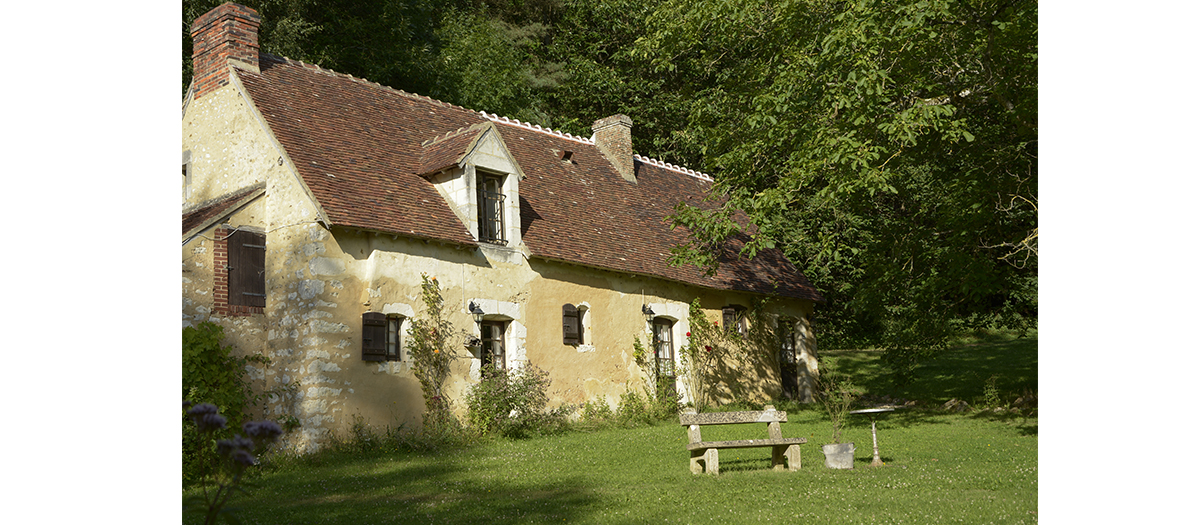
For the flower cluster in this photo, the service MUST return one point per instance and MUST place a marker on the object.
(205, 416)
(237, 455)
(239, 449)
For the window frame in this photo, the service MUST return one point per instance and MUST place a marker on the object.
(488, 355)
(491, 227)
(665, 366)
(733, 318)
(393, 330)
(573, 325)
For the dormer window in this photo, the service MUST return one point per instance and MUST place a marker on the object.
(474, 171)
(490, 203)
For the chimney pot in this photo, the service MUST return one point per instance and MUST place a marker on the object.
(227, 32)
(612, 136)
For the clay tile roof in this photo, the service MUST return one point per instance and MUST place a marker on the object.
(445, 152)
(361, 148)
(202, 215)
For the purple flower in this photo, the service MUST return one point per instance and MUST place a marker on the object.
(243, 457)
(201, 409)
(266, 430)
(227, 446)
(210, 422)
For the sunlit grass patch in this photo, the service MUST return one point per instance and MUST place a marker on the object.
(940, 467)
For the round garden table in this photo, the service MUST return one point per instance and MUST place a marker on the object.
(876, 455)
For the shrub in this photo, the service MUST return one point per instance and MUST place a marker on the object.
(513, 403)
(219, 467)
(210, 374)
(837, 395)
(597, 411)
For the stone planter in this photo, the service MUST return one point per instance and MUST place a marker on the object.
(839, 455)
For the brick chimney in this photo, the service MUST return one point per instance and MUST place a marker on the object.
(612, 135)
(228, 32)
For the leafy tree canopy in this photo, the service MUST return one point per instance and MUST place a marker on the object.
(889, 149)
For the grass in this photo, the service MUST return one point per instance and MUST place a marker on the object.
(976, 467)
(960, 372)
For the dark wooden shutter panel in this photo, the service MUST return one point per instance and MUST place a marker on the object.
(247, 273)
(569, 324)
(373, 336)
(728, 319)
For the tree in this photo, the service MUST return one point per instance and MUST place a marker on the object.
(889, 149)
(483, 55)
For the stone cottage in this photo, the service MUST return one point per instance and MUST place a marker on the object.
(315, 201)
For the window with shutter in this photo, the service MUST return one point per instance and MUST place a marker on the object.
(571, 325)
(247, 268)
(374, 326)
(733, 318)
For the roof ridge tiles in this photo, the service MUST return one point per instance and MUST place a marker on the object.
(361, 80)
(534, 127)
(673, 167)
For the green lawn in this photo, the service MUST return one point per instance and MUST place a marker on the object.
(978, 467)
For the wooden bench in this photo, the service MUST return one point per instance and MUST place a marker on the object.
(702, 455)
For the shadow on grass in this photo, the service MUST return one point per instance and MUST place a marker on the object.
(432, 488)
(959, 372)
(1025, 424)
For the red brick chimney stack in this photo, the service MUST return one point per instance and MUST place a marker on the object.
(228, 32)
(612, 135)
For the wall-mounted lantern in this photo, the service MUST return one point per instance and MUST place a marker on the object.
(476, 312)
(648, 313)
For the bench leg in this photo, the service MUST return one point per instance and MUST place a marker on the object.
(696, 461)
(711, 462)
(794, 457)
(776, 457)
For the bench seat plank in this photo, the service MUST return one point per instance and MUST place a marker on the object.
(746, 443)
(730, 418)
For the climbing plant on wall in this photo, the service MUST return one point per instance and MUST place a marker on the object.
(432, 347)
(721, 365)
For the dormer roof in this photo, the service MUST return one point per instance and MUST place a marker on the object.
(451, 149)
(363, 151)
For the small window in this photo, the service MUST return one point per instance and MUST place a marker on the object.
(661, 342)
(490, 208)
(492, 344)
(381, 337)
(733, 319)
(247, 268)
(393, 338)
(572, 325)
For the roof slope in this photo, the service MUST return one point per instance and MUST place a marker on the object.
(360, 148)
(202, 215)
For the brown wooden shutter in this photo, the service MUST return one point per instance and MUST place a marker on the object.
(373, 336)
(569, 324)
(247, 268)
(728, 318)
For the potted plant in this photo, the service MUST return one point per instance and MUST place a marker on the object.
(837, 397)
